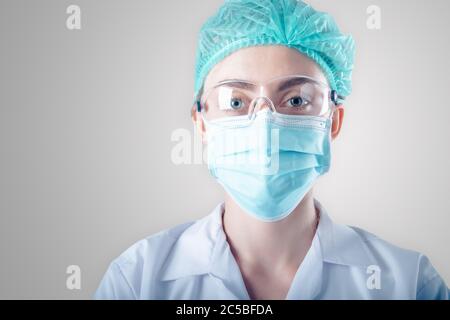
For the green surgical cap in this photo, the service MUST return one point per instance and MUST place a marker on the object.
(294, 24)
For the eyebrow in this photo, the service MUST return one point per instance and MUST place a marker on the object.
(283, 86)
(238, 84)
(292, 82)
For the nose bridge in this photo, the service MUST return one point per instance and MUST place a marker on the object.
(262, 102)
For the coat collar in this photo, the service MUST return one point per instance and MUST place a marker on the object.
(202, 248)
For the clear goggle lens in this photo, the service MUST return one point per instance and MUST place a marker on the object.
(293, 95)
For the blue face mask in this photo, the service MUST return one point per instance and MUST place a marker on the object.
(269, 164)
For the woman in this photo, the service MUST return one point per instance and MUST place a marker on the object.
(271, 78)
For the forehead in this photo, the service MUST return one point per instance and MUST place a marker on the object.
(262, 63)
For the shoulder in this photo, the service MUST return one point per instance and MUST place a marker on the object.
(156, 245)
(384, 251)
(141, 262)
(406, 267)
(146, 268)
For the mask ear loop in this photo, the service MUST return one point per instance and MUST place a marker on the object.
(336, 99)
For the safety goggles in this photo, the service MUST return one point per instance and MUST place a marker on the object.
(288, 95)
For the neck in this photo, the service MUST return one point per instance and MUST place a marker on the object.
(270, 246)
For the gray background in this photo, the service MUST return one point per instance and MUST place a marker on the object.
(86, 118)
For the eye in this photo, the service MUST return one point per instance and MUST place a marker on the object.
(236, 104)
(297, 101)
